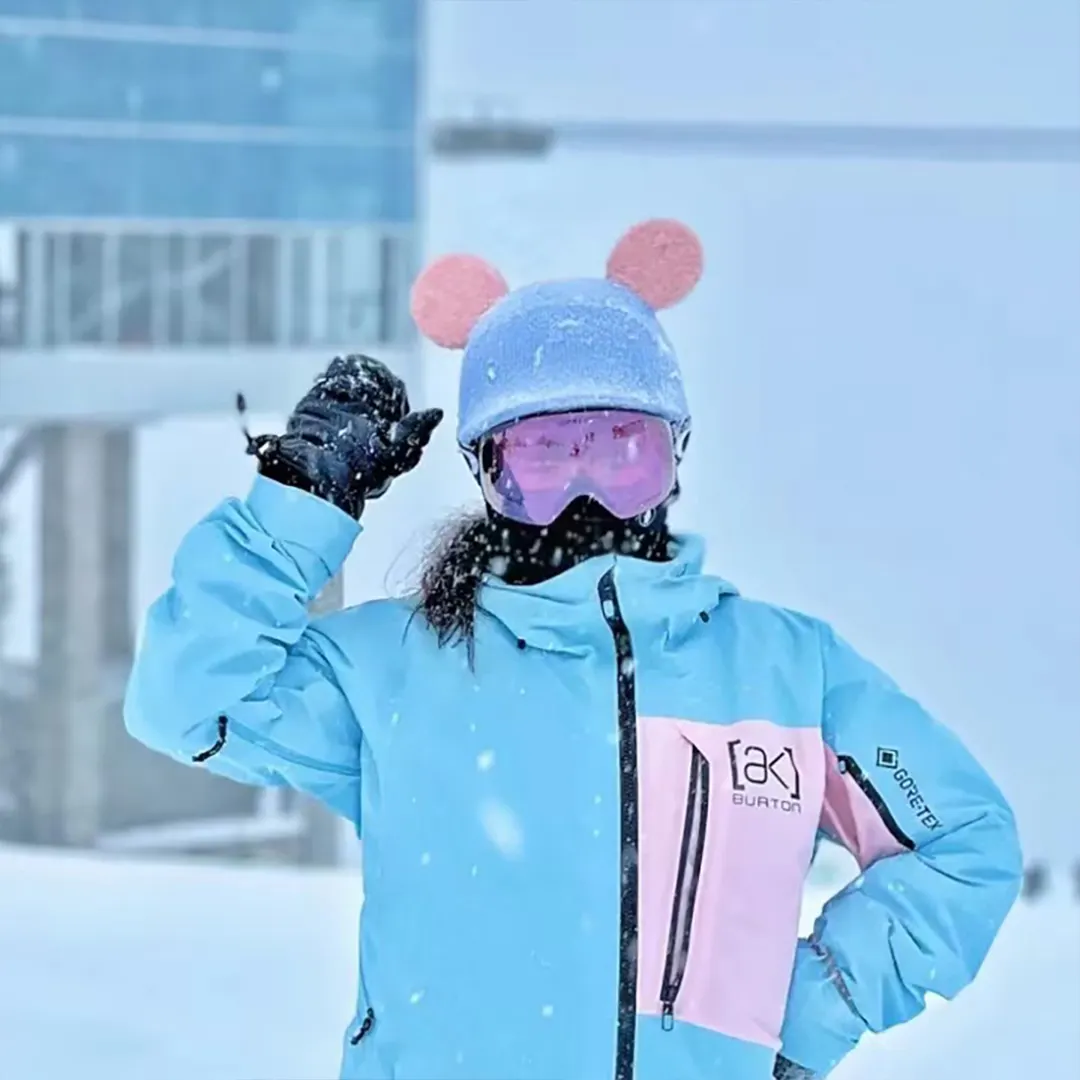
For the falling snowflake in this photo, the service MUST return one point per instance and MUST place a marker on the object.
(416, 997)
(502, 828)
(485, 760)
(547, 1012)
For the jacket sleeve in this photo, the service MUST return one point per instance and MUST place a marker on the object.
(940, 859)
(231, 674)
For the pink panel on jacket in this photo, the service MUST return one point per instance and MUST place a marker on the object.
(766, 788)
(850, 817)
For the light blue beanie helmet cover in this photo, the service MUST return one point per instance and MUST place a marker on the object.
(557, 346)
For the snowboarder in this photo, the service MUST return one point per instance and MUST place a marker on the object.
(589, 776)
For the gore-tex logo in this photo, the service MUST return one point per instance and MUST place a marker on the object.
(764, 778)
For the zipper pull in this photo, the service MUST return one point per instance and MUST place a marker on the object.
(667, 1016)
(365, 1027)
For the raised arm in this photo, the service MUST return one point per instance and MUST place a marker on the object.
(231, 673)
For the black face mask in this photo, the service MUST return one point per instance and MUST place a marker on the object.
(528, 554)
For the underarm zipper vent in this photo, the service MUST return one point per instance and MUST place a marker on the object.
(222, 733)
(365, 1027)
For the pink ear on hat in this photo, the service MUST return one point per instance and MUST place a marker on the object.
(451, 295)
(660, 260)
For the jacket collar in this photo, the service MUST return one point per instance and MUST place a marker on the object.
(563, 614)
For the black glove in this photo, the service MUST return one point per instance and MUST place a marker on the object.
(350, 435)
(788, 1070)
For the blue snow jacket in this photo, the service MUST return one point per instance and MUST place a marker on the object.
(584, 858)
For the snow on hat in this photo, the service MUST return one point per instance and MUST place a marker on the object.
(589, 343)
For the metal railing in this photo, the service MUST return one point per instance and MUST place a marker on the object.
(161, 284)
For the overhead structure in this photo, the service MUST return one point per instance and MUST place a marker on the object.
(196, 200)
(470, 139)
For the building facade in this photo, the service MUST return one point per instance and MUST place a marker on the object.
(206, 172)
(196, 197)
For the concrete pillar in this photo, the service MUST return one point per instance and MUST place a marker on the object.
(118, 523)
(64, 789)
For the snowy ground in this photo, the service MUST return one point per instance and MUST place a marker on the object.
(113, 970)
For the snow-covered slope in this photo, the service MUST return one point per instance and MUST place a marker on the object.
(114, 970)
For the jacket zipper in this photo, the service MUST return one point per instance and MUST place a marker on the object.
(691, 854)
(364, 1029)
(626, 693)
(850, 766)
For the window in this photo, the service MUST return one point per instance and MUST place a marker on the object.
(338, 288)
(261, 294)
(265, 16)
(160, 178)
(87, 276)
(10, 298)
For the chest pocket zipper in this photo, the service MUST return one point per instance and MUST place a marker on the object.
(364, 1029)
(691, 855)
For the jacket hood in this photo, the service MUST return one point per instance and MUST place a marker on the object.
(563, 614)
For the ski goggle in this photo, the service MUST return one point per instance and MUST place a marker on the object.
(532, 469)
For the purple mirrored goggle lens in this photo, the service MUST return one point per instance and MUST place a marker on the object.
(532, 469)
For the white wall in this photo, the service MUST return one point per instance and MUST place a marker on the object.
(884, 358)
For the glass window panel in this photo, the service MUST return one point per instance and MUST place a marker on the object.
(55, 292)
(135, 291)
(335, 289)
(300, 293)
(262, 289)
(362, 283)
(87, 287)
(176, 264)
(157, 178)
(11, 244)
(269, 16)
(210, 285)
(71, 78)
(397, 19)
(373, 87)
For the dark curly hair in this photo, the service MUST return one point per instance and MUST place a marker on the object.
(471, 545)
(453, 569)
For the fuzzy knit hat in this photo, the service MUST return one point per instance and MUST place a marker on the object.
(557, 346)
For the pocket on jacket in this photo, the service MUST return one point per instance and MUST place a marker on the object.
(728, 817)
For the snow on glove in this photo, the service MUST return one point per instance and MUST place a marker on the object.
(349, 436)
(788, 1070)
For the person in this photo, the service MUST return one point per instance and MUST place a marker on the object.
(589, 776)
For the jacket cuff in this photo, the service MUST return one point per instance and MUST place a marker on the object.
(820, 1027)
(301, 520)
